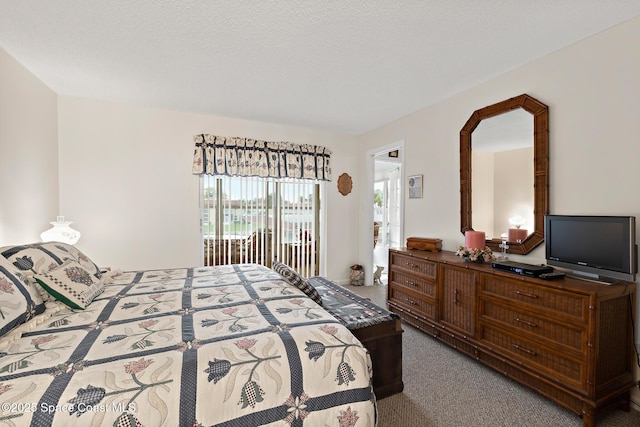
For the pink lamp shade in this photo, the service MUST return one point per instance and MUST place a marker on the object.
(474, 239)
(517, 234)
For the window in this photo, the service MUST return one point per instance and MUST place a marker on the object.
(258, 220)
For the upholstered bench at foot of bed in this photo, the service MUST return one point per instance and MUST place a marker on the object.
(378, 329)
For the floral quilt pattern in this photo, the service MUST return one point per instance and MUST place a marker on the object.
(213, 346)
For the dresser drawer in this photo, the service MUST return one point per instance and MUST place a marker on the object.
(573, 338)
(565, 304)
(416, 283)
(556, 365)
(412, 303)
(424, 267)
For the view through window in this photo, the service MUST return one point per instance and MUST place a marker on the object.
(259, 220)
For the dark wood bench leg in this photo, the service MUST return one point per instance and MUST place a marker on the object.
(384, 342)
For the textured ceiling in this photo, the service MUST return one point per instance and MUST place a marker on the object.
(346, 66)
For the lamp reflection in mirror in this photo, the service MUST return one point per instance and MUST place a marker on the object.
(517, 234)
(61, 232)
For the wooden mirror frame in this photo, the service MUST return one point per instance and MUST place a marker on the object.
(540, 114)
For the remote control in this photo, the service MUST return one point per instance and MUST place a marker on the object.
(551, 276)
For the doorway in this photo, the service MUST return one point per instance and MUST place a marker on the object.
(387, 209)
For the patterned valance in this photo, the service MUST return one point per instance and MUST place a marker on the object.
(219, 155)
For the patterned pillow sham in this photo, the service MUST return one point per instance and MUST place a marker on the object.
(71, 284)
(293, 278)
(16, 303)
(44, 256)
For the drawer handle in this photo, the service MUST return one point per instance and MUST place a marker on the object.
(517, 347)
(533, 325)
(411, 265)
(410, 301)
(412, 284)
(456, 292)
(524, 294)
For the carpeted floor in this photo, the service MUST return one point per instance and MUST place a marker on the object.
(443, 388)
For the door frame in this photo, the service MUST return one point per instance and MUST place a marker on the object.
(366, 228)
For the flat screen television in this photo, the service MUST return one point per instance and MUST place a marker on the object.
(597, 247)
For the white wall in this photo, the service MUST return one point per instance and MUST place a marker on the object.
(28, 154)
(126, 182)
(592, 89)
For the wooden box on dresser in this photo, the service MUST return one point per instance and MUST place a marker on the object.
(569, 339)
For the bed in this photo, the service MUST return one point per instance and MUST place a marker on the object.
(237, 345)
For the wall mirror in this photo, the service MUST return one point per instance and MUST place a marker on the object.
(504, 173)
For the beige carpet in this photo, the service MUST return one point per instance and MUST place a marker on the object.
(444, 388)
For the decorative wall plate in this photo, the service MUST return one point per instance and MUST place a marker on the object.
(345, 184)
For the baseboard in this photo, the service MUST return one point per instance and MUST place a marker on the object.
(345, 282)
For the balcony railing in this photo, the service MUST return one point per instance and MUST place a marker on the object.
(301, 256)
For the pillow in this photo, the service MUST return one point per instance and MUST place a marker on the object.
(71, 284)
(16, 302)
(296, 280)
(66, 252)
(44, 256)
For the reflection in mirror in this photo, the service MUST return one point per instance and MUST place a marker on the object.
(481, 193)
(502, 170)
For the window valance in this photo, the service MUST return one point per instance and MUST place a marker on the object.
(233, 156)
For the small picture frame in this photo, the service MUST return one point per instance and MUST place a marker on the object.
(415, 187)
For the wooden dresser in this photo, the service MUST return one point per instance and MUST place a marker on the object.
(569, 339)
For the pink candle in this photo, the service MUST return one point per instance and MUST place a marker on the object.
(474, 239)
(517, 234)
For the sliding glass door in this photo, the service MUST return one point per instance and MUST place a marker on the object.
(259, 220)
